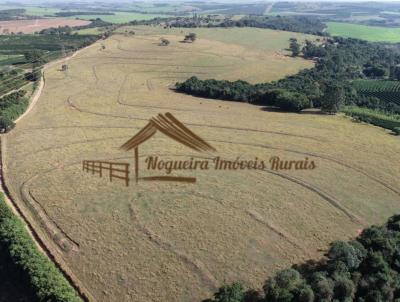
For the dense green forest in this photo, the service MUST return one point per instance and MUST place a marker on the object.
(366, 269)
(301, 24)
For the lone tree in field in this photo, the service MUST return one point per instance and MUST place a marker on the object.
(332, 99)
(294, 47)
(190, 38)
(164, 42)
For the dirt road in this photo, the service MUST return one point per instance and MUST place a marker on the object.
(35, 97)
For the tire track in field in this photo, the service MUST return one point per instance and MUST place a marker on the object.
(53, 230)
(160, 65)
(328, 158)
(149, 85)
(73, 106)
(62, 238)
(257, 217)
(178, 50)
(85, 141)
(129, 59)
(331, 200)
(194, 264)
(325, 157)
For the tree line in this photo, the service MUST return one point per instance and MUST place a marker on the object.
(303, 24)
(366, 269)
(37, 275)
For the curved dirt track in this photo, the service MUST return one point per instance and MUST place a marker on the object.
(173, 242)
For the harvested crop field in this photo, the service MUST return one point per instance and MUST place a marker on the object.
(168, 241)
(31, 26)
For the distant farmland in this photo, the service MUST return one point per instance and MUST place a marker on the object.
(31, 26)
(364, 32)
(161, 241)
(119, 17)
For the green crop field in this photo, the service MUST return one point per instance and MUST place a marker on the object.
(165, 7)
(33, 10)
(388, 91)
(364, 32)
(119, 17)
(374, 117)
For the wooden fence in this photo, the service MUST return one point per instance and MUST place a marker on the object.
(114, 170)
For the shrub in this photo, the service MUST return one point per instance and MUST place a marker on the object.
(291, 101)
(6, 123)
(230, 293)
(333, 98)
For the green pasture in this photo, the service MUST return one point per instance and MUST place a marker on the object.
(364, 32)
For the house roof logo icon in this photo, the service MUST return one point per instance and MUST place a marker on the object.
(174, 129)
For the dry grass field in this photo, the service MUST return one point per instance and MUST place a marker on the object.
(160, 241)
(31, 26)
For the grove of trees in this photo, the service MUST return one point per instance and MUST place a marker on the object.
(366, 269)
(11, 106)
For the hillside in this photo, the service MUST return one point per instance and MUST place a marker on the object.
(176, 241)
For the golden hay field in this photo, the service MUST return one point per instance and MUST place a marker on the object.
(155, 241)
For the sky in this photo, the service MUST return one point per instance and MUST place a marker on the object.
(36, 2)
